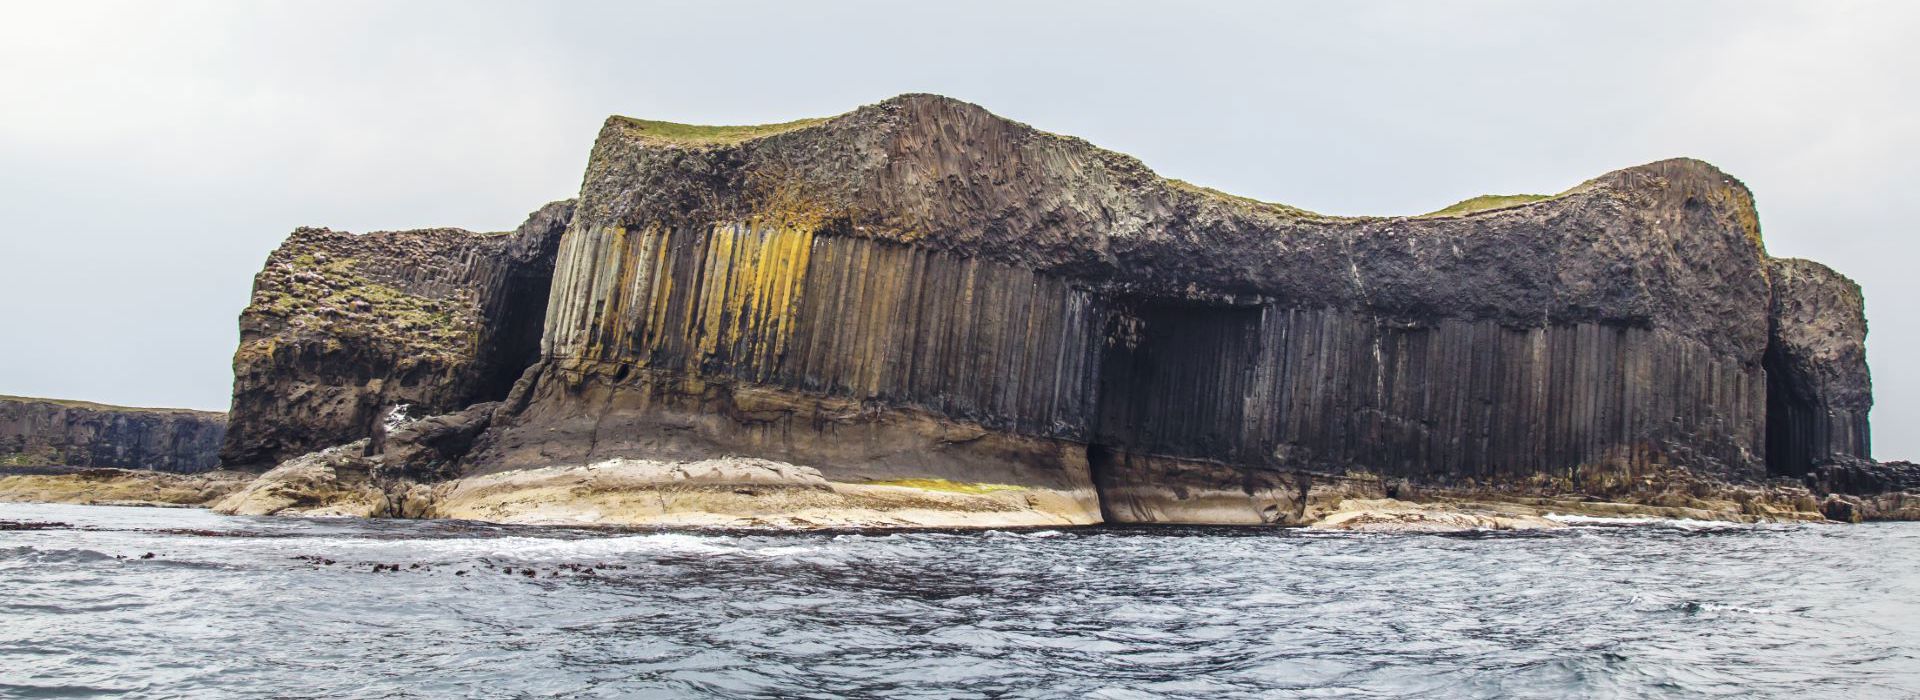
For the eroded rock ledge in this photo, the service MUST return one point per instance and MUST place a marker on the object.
(921, 293)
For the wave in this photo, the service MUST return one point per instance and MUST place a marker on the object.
(521, 548)
(30, 554)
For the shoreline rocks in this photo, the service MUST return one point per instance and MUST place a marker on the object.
(118, 487)
(750, 494)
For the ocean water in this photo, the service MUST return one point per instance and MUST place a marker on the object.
(293, 608)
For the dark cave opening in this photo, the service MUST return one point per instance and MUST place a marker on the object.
(1793, 417)
(1174, 378)
(516, 331)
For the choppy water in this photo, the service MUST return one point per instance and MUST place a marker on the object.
(250, 607)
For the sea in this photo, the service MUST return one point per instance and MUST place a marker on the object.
(99, 601)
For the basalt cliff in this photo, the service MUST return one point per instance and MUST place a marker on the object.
(920, 313)
(59, 432)
(82, 452)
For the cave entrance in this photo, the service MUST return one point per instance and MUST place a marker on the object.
(514, 343)
(1174, 379)
(1793, 417)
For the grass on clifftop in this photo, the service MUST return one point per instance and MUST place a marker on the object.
(1211, 192)
(1489, 201)
(696, 134)
(91, 406)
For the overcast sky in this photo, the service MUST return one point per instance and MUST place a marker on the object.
(153, 153)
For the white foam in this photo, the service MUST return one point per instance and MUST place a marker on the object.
(398, 417)
(1625, 521)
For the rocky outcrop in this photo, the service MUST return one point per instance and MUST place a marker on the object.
(920, 292)
(337, 481)
(1856, 489)
(58, 432)
(344, 329)
(1818, 387)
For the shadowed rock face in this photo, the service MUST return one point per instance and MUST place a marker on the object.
(51, 432)
(922, 290)
(342, 328)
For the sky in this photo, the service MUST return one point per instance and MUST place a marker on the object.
(152, 153)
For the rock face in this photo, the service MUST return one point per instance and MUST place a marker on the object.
(56, 432)
(344, 328)
(922, 292)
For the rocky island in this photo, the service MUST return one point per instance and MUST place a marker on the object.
(921, 314)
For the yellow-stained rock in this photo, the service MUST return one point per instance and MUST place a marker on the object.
(736, 492)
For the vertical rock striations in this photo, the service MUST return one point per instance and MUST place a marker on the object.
(55, 432)
(342, 328)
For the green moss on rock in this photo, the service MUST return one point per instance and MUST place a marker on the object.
(330, 295)
(1488, 202)
(703, 135)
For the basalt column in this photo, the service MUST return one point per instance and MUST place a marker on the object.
(1240, 403)
(866, 359)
